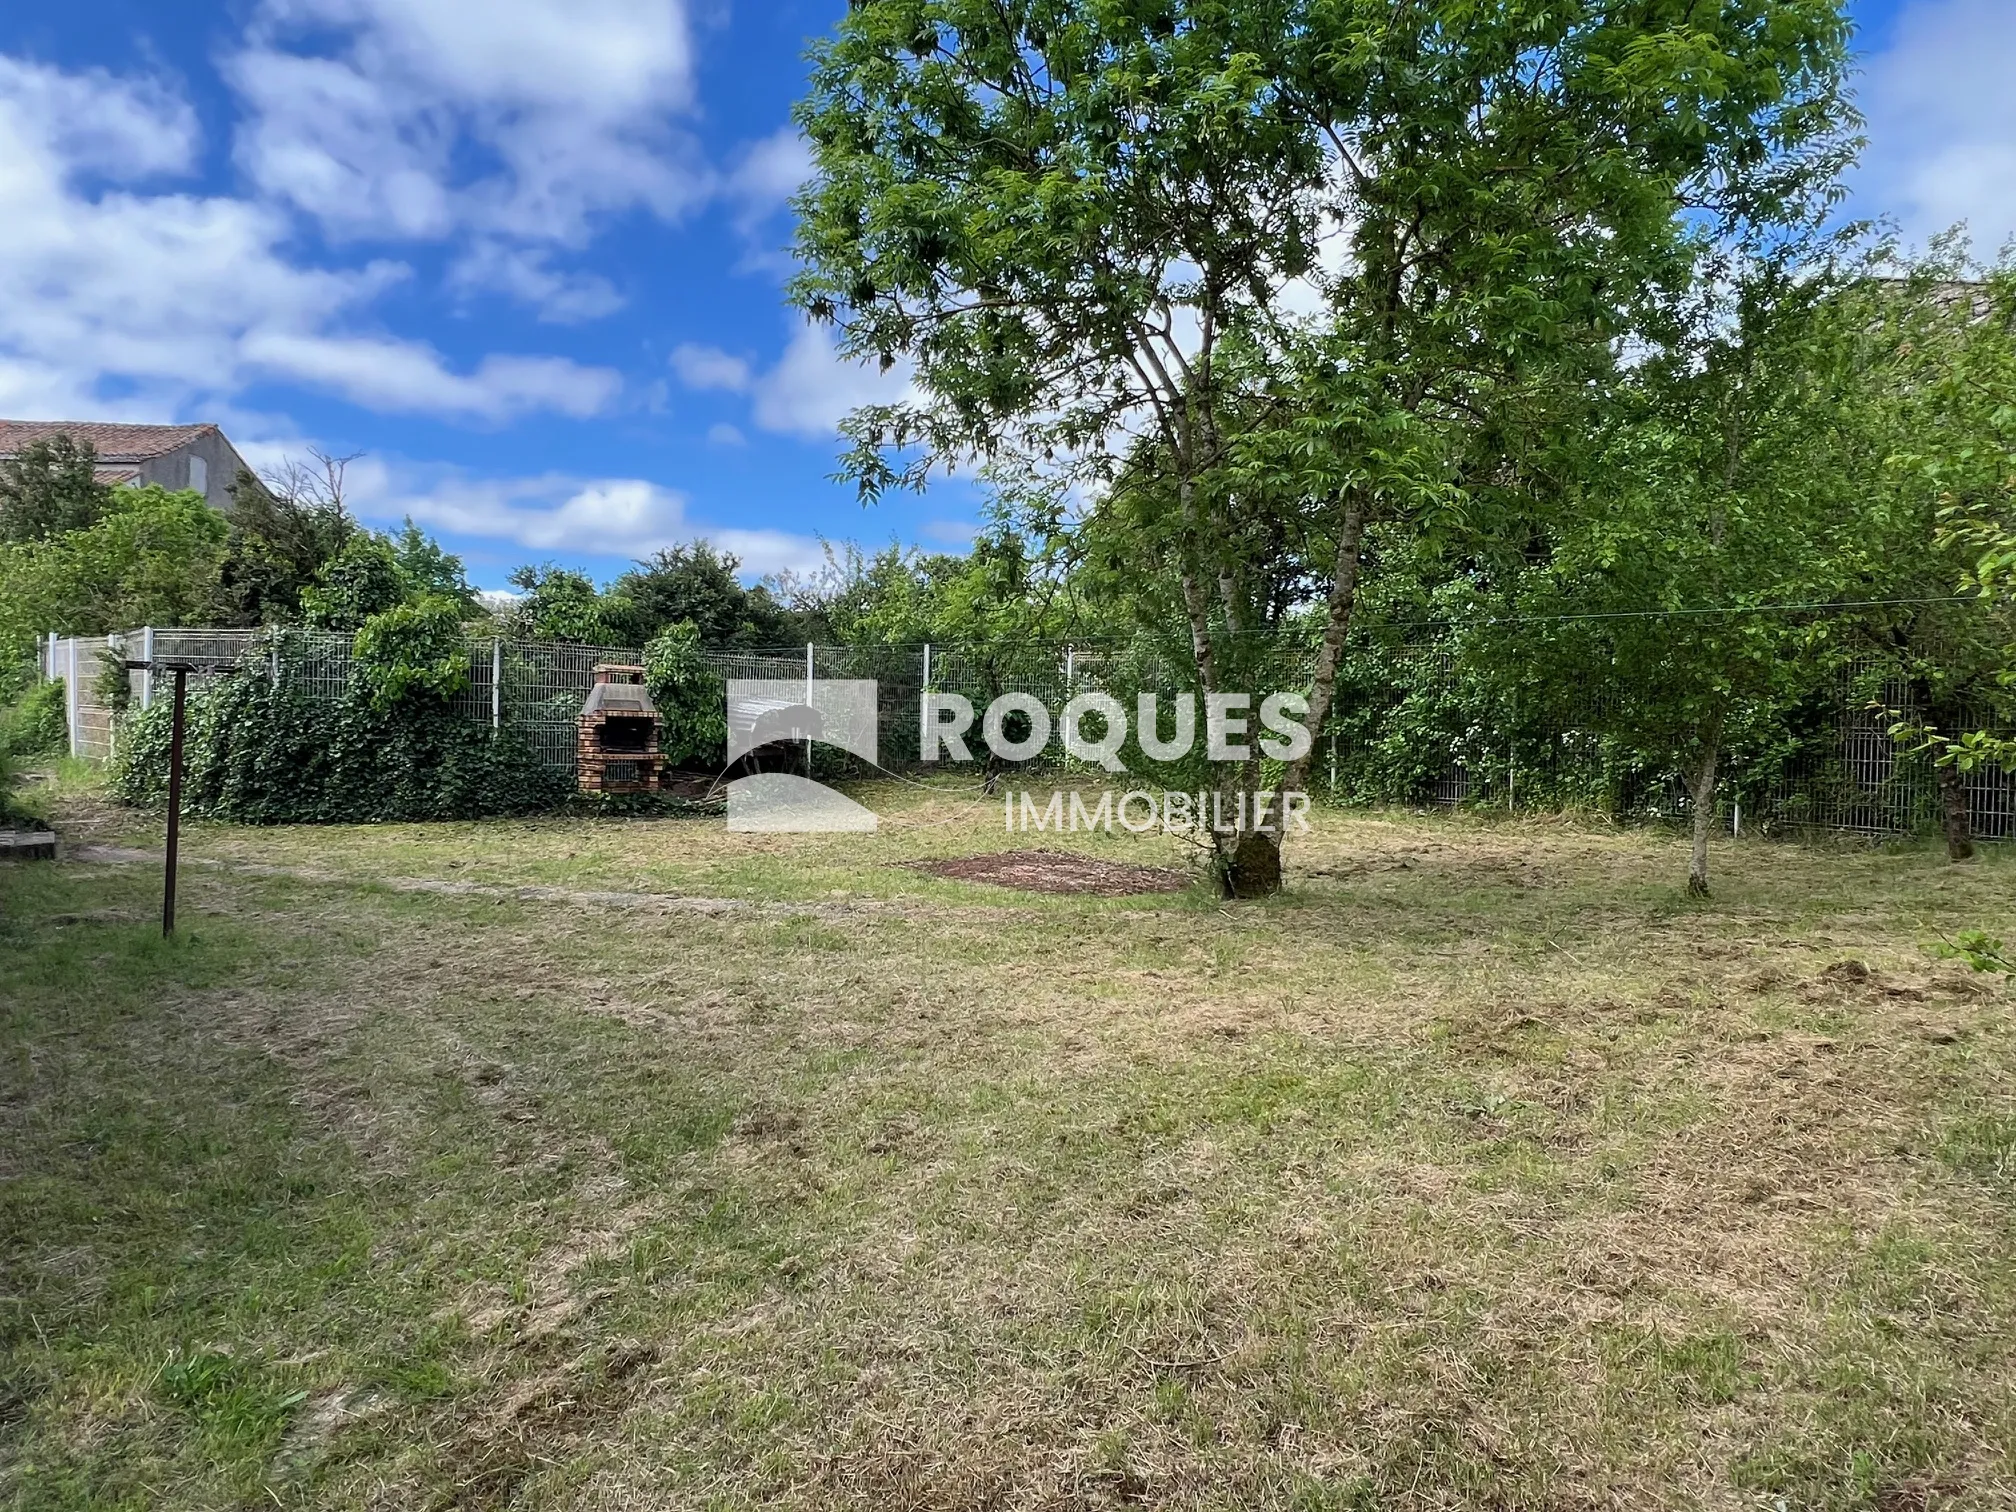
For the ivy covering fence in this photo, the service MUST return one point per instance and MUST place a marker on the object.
(305, 725)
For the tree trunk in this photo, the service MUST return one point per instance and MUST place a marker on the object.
(1704, 806)
(1251, 867)
(1953, 815)
(1343, 599)
(1954, 820)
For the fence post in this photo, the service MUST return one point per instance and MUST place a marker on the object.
(116, 641)
(808, 704)
(496, 683)
(147, 674)
(70, 695)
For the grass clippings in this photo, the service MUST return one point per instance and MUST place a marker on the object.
(1060, 872)
(1480, 1169)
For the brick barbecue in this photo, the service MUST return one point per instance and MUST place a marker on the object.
(616, 746)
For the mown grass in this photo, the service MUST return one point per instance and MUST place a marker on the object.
(1481, 1169)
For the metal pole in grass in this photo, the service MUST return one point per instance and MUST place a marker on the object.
(174, 802)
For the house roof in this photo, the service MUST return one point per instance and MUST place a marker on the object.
(114, 443)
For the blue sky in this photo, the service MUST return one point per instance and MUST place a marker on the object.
(527, 255)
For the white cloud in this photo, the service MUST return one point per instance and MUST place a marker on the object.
(768, 172)
(721, 433)
(508, 118)
(527, 275)
(144, 305)
(813, 387)
(1942, 132)
(809, 391)
(627, 517)
(705, 367)
(379, 373)
(124, 130)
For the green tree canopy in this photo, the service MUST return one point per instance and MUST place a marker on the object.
(153, 558)
(694, 584)
(51, 487)
(363, 579)
(280, 542)
(1109, 234)
(557, 603)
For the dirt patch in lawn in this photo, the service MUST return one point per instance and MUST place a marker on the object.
(1047, 871)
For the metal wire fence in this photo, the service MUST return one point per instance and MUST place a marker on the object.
(1408, 727)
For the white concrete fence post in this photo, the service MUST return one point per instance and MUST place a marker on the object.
(147, 677)
(496, 683)
(70, 696)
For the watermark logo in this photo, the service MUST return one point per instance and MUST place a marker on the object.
(780, 714)
(1141, 811)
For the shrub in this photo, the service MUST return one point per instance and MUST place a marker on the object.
(691, 698)
(413, 651)
(152, 560)
(37, 724)
(10, 809)
(257, 752)
(360, 581)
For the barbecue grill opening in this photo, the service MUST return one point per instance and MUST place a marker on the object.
(626, 734)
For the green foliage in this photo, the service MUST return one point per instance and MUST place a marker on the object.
(1006, 590)
(261, 752)
(415, 650)
(562, 605)
(1979, 949)
(691, 697)
(11, 808)
(362, 579)
(1096, 236)
(152, 559)
(430, 572)
(695, 584)
(36, 724)
(51, 488)
(279, 545)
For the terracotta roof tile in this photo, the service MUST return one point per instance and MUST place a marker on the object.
(115, 443)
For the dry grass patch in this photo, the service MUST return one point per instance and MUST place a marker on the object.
(1479, 1170)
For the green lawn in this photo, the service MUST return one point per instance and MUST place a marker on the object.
(1480, 1170)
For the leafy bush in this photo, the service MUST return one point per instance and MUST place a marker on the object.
(10, 802)
(413, 651)
(51, 487)
(557, 604)
(257, 752)
(152, 560)
(361, 580)
(1979, 949)
(691, 697)
(37, 724)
